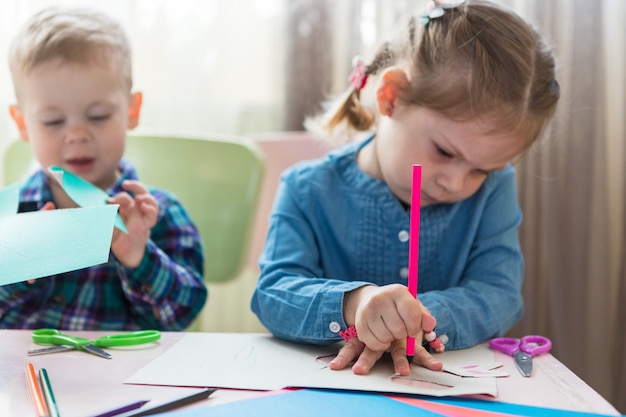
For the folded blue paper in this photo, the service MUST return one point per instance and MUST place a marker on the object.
(43, 243)
(82, 192)
(9, 200)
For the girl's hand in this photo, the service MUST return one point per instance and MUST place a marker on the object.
(139, 215)
(384, 317)
(365, 358)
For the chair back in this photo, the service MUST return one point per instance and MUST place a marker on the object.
(17, 162)
(280, 151)
(216, 179)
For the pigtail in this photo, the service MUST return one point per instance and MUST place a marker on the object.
(349, 108)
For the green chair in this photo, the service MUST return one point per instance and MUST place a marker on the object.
(217, 180)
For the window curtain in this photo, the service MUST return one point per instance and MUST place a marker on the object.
(204, 66)
(571, 183)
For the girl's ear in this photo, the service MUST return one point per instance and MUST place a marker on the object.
(134, 109)
(390, 83)
(18, 118)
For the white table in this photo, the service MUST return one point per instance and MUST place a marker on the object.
(85, 384)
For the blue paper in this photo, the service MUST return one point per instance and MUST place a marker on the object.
(9, 200)
(513, 409)
(42, 243)
(82, 192)
(310, 403)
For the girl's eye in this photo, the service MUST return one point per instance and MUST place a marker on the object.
(443, 152)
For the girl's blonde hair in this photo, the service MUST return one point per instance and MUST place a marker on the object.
(477, 60)
(76, 35)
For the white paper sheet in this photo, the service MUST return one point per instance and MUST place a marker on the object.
(262, 362)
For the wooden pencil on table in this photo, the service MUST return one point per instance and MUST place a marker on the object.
(35, 392)
(48, 395)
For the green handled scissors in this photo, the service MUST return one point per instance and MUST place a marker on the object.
(63, 342)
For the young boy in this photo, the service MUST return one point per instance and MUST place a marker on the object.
(71, 72)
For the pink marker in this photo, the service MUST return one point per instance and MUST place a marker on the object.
(414, 246)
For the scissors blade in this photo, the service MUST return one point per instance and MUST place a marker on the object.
(524, 363)
(96, 351)
(52, 349)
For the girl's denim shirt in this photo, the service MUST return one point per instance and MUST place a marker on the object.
(334, 229)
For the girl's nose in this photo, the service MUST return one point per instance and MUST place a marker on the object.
(453, 181)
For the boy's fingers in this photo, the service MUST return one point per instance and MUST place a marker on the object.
(123, 199)
(48, 206)
(134, 187)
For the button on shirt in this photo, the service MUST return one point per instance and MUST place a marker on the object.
(166, 291)
(334, 229)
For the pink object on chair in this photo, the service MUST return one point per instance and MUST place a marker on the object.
(281, 150)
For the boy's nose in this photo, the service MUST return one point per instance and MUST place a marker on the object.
(77, 135)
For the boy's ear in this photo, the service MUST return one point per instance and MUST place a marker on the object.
(134, 110)
(18, 118)
(390, 83)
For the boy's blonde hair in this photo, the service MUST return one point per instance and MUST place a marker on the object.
(76, 35)
(477, 60)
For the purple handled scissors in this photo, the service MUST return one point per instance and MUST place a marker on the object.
(522, 350)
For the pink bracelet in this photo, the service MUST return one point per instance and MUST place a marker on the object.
(349, 333)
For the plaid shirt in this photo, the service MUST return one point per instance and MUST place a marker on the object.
(165, 292)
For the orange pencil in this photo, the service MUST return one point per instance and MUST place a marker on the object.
(35, 392)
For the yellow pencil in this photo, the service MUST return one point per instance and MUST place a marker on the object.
(35, 392)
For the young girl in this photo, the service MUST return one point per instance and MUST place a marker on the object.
(464, 92)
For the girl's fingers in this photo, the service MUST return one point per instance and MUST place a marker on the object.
(366, 361)
(400, 361)
(347, 354)
(426, 359)
(377, 337)
(410, 313)
(428, 321)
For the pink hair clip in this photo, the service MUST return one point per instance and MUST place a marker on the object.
(348, 334)
(358, 78)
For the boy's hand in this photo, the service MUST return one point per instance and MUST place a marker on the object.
(384, 317)
(139, 215)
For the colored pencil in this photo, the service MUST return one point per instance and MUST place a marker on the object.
(48, 395)
(122, 409)
(414, 246)
(35, 392)
(179, 402)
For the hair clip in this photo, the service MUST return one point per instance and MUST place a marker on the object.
(358, 78)
(436, 9)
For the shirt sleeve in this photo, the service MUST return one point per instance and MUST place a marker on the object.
(166, 289)
(487, 302)
(19, 301)
(293, 299)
